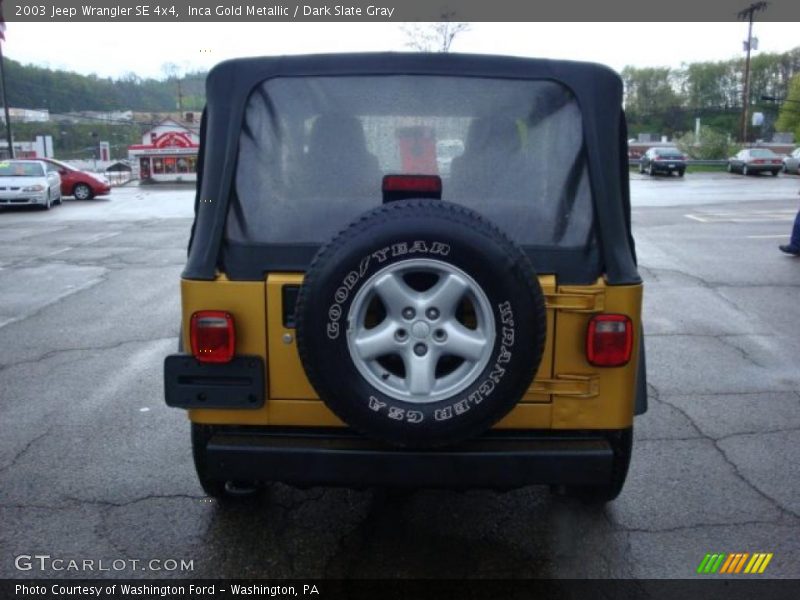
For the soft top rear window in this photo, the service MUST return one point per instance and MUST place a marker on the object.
(313, 152)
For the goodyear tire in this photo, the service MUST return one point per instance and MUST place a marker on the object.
(421, 324)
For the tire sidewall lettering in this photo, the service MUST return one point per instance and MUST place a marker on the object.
(379, 257)
(453, 408)
(385, 239)
(475, 395)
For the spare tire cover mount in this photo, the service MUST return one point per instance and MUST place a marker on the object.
(421, 324)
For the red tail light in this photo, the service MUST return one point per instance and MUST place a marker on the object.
(758, 162)
(609, 341)
(213, 336)
(412, 183)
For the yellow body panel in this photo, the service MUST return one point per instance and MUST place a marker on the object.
(245, 301)
(287, 379)
(567, 393)
(612, 406)
(548, 283)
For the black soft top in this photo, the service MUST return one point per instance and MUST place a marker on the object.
(597, 89)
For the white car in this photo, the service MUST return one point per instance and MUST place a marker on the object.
(28, 182)
(791, 163)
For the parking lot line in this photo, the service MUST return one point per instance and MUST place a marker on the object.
(743, 216)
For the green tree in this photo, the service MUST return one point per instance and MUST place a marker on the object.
(710, 145)
(651, 100)
(789, 115)
(648, 90)
(710, 85)
(768, 75)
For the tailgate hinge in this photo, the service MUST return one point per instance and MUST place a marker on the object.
(575, 386)
(576, 301)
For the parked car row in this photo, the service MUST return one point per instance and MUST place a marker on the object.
(750, 161)
(44, 182)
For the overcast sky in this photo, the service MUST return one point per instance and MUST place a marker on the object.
(112, 49)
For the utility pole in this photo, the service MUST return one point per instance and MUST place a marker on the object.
(180, 97)
(5, 98)
(748, 15)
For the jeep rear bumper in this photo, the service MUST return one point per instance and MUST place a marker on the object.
(342, 458)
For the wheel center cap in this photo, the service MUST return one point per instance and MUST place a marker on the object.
(420, 330)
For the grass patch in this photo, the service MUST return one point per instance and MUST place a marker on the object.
(707, 168)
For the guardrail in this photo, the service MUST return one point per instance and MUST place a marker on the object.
(634, 162)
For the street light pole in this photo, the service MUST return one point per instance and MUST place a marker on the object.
(748, 14)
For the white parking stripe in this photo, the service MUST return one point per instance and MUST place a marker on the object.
(744, 216)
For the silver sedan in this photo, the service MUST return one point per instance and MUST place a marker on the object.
(791, 163)
(26, 182)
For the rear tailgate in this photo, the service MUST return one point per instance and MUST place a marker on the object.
(567, 393)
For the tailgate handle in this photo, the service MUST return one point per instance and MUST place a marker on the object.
(582, 302)
(575, 386)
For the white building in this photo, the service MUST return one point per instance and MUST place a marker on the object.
(168, 152)
(25, 115)
(41, 147)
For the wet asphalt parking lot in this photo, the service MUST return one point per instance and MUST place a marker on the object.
(94, 466)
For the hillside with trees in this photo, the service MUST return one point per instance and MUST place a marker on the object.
(60, 91)
(666, 101)
(659, 100)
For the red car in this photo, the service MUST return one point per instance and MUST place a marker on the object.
(80, 184)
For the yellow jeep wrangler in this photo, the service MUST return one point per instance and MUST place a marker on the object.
(360, 311)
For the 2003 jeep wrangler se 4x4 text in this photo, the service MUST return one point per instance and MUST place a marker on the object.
(411, 270)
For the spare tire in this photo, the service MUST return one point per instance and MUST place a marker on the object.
(421, 324)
